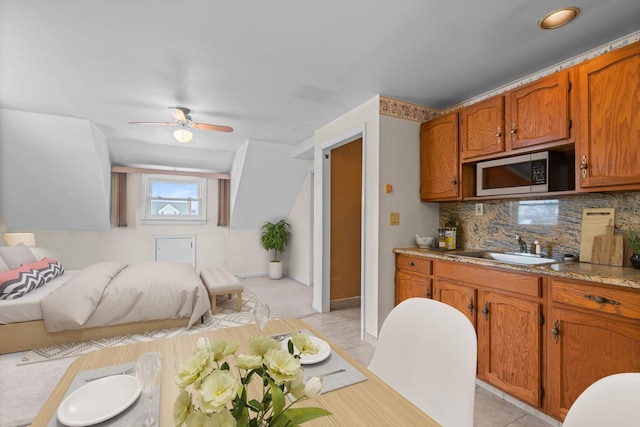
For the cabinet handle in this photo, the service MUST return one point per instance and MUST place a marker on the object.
(555, 332)
(601, 300)
(470, 306)
(411, 264)
(427, 294)
(485, 311)
(513, 131)
(499, 135)
(583, 166)
(455, 181)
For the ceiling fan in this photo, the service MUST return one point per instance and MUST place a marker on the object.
(182, 119)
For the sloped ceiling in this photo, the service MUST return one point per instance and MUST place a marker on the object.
(266, 184)
(54, 173)
(273, 70)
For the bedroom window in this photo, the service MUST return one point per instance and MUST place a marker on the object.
(170, 199)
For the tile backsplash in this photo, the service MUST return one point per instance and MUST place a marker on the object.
(554, 222)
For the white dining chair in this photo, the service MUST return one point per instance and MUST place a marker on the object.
(610, 401)
(427, 351)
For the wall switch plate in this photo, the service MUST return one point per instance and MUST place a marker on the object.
(394, 218)
(479, 209)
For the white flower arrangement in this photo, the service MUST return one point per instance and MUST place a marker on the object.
(211, 396)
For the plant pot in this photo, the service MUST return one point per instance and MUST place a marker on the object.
(635, 260)
(275, 270)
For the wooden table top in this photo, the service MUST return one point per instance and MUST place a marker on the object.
(367, 403)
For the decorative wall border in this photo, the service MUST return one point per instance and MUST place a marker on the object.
(406, 110)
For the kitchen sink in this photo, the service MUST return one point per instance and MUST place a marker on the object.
(507, 257)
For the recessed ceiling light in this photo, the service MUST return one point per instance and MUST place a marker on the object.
(558, 18)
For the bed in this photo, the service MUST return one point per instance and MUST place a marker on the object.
(103, 300)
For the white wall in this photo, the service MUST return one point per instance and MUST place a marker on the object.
(400, 167)
(365, 116)
(298, 257)
(238, 251)
(267, 185)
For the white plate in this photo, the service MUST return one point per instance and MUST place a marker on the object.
(324, 351)
(99, 400)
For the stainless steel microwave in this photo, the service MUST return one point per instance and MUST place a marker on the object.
(530, 173)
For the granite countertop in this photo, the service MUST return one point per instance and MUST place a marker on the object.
(620, 276)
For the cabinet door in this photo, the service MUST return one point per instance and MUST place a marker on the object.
(538, 112)
(439, 165)
(411, 285)
(482, 128)
(462, 297)
(587, 349)
(509, 339)
(607, 146)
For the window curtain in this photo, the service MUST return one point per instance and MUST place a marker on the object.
(223, 202)
(119, 199)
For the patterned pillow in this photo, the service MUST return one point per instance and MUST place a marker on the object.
(17, 282)
(49, 268)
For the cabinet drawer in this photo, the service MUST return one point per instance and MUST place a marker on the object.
(592, 297)
(415, 264)
(521, 283)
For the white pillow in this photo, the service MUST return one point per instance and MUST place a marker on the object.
(15, 256)
(3, 266)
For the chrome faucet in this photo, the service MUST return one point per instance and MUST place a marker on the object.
(523, 245)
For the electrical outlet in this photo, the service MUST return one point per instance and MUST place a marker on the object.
(394, 218)
(479, 209)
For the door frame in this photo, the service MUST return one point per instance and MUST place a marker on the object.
(324, 191)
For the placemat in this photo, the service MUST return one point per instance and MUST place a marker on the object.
(133, 415)
(334, 362)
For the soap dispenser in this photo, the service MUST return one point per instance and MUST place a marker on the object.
(536, 246)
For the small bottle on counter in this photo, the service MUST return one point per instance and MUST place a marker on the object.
(442, 240)
(451, 228)
(536, 247)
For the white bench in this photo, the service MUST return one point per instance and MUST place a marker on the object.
(219, 281)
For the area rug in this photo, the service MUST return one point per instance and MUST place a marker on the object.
(226, 317)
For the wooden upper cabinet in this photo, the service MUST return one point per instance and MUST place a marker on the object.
(439, 162)
(538, 112)
(608, 142)
(482, 128)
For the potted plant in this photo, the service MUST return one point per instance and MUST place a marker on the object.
(275, 236)
(634, 242)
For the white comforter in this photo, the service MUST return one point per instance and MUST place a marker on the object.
(112, 293)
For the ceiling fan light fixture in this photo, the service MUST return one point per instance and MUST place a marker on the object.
(558, 18)
(183, 134)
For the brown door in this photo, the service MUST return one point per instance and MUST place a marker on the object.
(346, 208)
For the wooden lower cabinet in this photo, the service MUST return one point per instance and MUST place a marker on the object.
(460, 296)
(542, 339)
(592, 332)
(413, 277)
(505, 307)
(509, 345)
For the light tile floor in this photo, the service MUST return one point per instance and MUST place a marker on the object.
(342, 326)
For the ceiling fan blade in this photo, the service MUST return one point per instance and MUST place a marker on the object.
(212, 127)
(181, 114)
(151, 123)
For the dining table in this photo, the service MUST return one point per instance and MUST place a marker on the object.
(368, 402)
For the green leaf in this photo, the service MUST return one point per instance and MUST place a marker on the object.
(277, 397)
(255, 405)
(298, 416)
